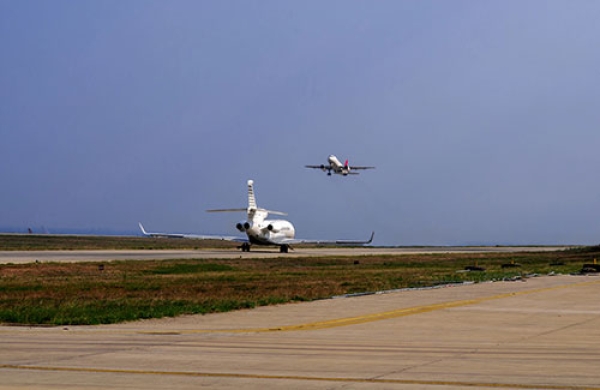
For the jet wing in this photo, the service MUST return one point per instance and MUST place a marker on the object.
(192, 236)
(353, 168)
(315, 166)
(290, 241)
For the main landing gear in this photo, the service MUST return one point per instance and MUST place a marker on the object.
(245, 247)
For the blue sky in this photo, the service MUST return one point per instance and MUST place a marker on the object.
(482, 117)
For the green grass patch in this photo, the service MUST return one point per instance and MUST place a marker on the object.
(185, 268)
(83, 293)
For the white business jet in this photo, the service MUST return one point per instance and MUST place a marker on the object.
(337, 167)
(260, 230)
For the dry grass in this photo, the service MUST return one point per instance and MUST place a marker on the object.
(87, 293)
(27, 242)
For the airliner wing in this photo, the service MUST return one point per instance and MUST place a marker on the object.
(353, 167)
(290, 241)
(226, 210)
(193, 236)
(315, 166)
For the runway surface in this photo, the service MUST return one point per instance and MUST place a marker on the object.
(540, 333)
(17, 257)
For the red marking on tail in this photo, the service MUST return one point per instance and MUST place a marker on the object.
(346, 164)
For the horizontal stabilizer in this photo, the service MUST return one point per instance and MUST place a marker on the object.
(244, 210)
(274, 212)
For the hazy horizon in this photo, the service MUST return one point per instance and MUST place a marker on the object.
(481, 117)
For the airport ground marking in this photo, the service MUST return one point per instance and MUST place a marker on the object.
(338, 322)
(332, 324)
(295, 377)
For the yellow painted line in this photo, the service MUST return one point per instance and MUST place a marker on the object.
(338, 322)
(334, 323)
(296, 377)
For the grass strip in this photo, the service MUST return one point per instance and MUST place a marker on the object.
(84, 293)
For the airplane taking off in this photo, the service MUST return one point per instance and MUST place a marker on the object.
(259, 230)
(337, 167)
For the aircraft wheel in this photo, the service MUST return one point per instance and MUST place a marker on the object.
(283, 249)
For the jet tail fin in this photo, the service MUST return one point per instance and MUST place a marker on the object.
(251, 197)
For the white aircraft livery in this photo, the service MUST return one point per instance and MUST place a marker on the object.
(335, 165)
(260, 230)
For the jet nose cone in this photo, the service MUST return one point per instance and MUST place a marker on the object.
(250, 182)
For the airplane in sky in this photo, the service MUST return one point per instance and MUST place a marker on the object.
(260, 230)
(337, 167)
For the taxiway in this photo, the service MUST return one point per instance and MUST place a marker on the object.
(17, 257)
(540, 333)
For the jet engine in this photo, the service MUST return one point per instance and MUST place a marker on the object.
(242, 226)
